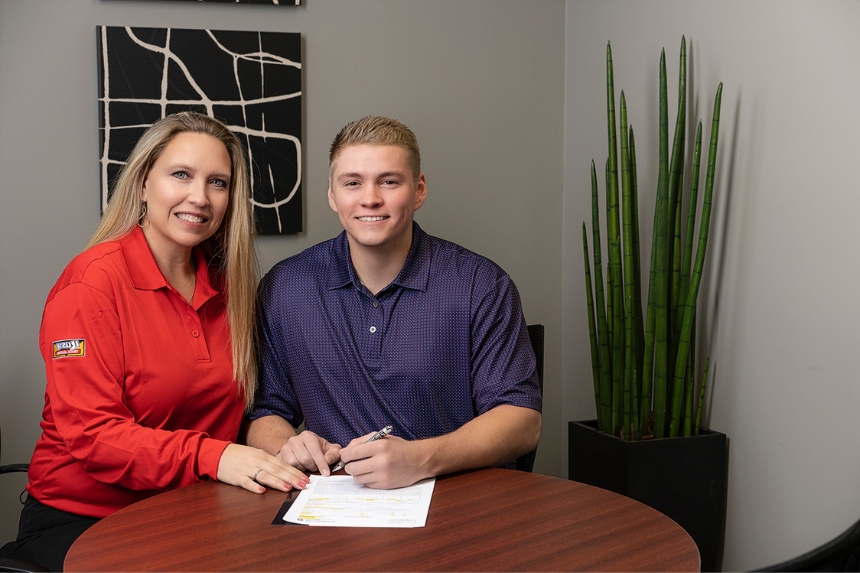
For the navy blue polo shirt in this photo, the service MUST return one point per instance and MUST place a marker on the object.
(445, 342)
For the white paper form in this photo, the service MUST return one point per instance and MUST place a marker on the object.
(339, 501)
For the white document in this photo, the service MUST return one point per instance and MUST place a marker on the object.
(339, 501)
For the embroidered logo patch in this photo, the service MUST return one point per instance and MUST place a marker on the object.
(69, 348)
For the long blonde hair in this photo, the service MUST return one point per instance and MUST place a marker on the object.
(230, 252)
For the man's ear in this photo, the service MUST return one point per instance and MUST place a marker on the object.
(420, 192)
(331, 202)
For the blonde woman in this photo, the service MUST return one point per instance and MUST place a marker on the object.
(149, 345)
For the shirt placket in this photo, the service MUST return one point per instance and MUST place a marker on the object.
(194, 330)
(373, 330)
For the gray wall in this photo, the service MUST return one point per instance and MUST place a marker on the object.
(507, 100)
(780, 304)
(480, 82)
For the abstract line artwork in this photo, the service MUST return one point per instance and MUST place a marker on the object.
(251, 81)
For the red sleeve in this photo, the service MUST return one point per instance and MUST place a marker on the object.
(81, 340)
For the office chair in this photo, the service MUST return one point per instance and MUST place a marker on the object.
(842, 553)
(526, 462)
(13, 565)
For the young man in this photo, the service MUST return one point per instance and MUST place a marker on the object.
(386, 325)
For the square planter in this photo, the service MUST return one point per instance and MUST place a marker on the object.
(683, 478)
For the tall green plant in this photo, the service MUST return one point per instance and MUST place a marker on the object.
(643, 364)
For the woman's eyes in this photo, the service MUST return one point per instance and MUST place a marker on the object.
(216, 181)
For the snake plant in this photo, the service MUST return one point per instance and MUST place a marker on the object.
(644, 364)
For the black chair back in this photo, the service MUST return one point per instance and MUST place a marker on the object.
(842, 553)
(526, 462)
(13, 565)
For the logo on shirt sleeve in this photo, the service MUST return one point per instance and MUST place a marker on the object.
(69, 348)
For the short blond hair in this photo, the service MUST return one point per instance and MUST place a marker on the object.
(377, 130)
(230, 252)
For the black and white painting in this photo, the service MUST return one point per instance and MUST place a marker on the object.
(251, 81)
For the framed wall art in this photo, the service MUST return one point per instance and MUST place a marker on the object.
(251, 81)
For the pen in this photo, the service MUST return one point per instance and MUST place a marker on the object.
(380, 434)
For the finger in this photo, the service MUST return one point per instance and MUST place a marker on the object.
(322, 461)
(249, 484)
(307, 458)
(283, 477)
(287, 478)
(317, 451)
(271, 480)
(287, 455)
(298, 451)
(362, 474)
(360, 467)
(362, 439)
(358, 450)
(307, 451)
(335, 460)
(332, 453)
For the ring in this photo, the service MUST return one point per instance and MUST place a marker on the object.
(256, 474)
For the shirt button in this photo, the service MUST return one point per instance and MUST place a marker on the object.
(372, 329)
(375, 304)
(195, 333)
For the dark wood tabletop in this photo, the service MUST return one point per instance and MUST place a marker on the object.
(484, 520)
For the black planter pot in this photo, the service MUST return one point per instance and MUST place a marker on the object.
(683, 478)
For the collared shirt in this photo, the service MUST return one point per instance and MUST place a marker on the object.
(140, 394)
(445, 342)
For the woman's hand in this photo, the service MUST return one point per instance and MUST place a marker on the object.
(252, 469)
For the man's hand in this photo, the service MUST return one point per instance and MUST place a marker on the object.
(387, 463)
(493, 438)
(309, 452)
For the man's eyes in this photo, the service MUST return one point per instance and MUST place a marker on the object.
(383, 183)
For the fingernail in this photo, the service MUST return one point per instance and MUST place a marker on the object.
(288, 486)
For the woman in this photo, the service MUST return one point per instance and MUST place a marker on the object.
(150, 363)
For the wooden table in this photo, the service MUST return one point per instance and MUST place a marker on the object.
(484, 520)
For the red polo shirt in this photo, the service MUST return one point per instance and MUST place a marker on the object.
(140, 394)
